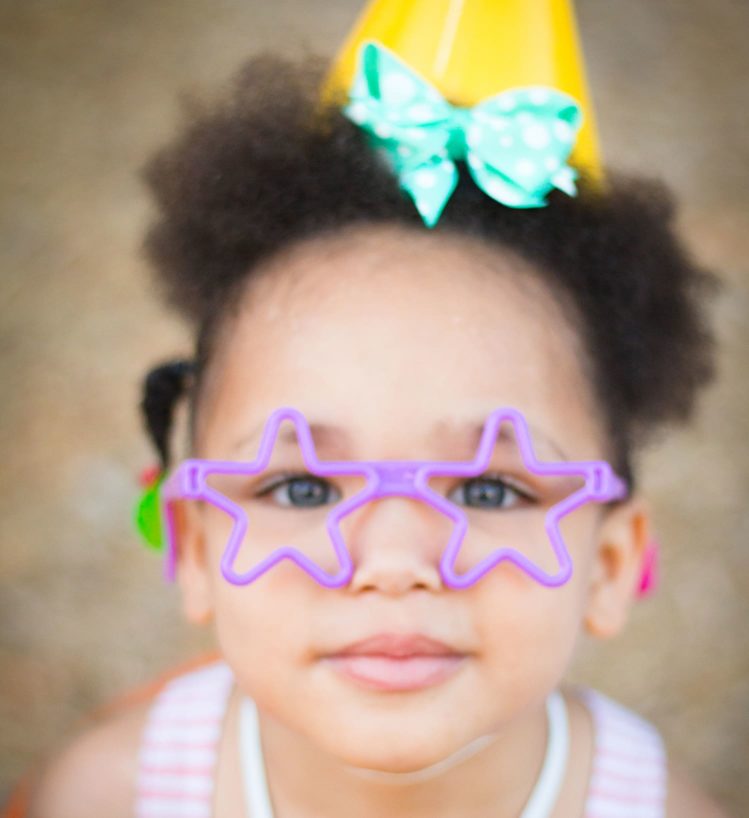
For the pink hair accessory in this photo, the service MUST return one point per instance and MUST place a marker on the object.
(650, 576)
(149, 475)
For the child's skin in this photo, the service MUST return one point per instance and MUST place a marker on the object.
(385, 334)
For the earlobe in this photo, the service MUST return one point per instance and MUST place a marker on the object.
(192, 565)
(617, 563)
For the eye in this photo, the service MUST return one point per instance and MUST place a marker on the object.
(301, 491)
(487, 492)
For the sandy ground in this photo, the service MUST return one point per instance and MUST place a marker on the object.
(88, 89)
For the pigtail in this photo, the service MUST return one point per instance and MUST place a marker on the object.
(162, 388)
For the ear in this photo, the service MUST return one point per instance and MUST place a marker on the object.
(192, 563)
(622, 538)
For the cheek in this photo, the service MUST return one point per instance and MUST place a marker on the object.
(527, 632)
(262, 631)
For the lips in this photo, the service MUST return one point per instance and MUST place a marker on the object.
(397, 662)
(398, 646)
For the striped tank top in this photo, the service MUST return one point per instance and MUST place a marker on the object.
(180, 742)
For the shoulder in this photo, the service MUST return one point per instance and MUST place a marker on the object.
(628, 749)
(96, 772)
(93, 774)
(684, 799)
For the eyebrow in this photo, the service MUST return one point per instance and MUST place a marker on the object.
(326, 436)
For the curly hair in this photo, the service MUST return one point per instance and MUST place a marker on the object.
(266, 165)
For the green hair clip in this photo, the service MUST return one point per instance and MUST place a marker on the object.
(147, 514)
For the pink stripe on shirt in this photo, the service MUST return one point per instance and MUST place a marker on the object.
(179, 747)
(628, 777)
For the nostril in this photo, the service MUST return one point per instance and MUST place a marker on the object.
(394, 576)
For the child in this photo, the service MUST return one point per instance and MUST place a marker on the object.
(312, 282)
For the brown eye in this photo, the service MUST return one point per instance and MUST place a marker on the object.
(301, 491)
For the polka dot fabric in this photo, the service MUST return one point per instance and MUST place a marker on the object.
(515, 144)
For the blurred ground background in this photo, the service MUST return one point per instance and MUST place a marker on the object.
(87, 90)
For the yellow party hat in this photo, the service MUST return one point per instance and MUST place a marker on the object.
(473, 49)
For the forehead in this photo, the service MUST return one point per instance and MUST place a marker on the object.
(387, 334)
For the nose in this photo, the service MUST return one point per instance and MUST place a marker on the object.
(395, 544)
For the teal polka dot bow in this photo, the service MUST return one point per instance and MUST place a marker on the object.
(515, 144)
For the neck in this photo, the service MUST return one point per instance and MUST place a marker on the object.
(490, 777)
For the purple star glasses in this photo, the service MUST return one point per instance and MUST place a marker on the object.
(495, 534)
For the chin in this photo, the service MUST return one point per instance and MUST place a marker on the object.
(418, 768)
(388, 766)
(401, 757)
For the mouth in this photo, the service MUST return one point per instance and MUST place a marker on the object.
(397, 662)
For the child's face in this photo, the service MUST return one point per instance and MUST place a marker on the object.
(385, 335)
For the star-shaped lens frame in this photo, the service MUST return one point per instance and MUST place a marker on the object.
(387, 478)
